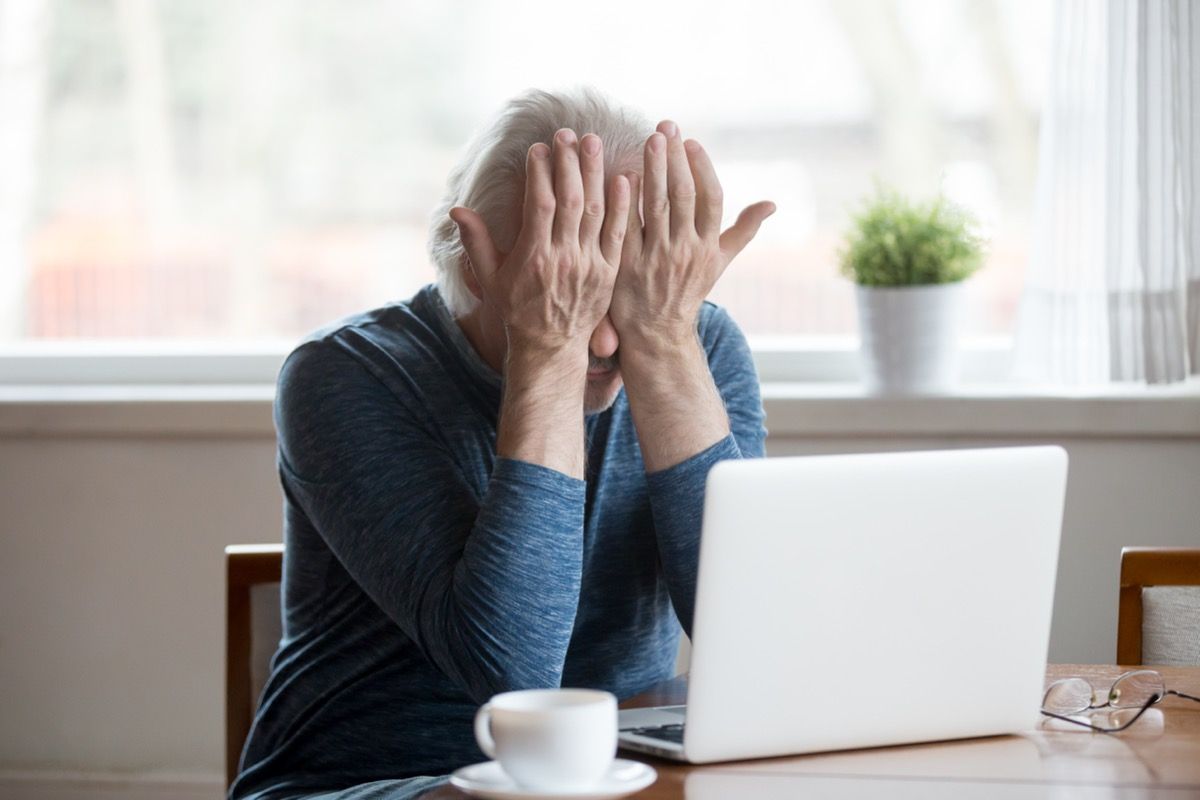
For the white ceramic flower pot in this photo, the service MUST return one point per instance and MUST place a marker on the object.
(909, 338)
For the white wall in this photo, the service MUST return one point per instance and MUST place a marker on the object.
(112, 596)
(111, 574)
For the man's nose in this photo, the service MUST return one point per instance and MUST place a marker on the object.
(604, 339)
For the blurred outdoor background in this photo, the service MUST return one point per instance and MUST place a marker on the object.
(221, 170)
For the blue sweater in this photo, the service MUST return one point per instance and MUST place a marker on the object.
(423, 574)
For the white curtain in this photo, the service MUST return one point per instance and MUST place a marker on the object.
(1113, 287)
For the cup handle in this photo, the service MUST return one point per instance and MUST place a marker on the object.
(483, 730)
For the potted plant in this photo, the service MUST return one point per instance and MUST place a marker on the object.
(909, 261)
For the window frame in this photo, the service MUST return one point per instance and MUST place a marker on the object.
(808, 359)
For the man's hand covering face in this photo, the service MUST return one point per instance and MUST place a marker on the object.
(555, 286)
(670, 263)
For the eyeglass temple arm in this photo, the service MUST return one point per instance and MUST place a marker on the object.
(1184, 696)
(1118, 729)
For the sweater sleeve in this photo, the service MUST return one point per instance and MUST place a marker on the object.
(486, 587)
(677, 493)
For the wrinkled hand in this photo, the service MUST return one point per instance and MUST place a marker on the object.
(670, 263)
(555, 286)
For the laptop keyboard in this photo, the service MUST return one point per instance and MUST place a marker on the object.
(667, 733)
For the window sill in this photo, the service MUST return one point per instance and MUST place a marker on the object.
(1000, 410)
(808, 410)
(213, 411)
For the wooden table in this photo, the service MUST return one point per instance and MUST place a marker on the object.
(1158, 757)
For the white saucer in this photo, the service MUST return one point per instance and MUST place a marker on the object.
(488, 781)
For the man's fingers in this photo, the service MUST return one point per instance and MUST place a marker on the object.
(632, 247)
(655, 205)
(481, 252)
(681, 189)
(568, 188)
(616, 221)
(738, 235)
(709, 196)
(591, 167)
(538, 214)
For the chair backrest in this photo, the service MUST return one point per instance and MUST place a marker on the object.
(249, 569)
(1153, 607)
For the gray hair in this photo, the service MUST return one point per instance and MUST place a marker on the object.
(490, 178)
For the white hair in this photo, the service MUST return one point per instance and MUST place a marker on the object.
(490, 178)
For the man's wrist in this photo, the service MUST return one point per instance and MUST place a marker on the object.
(541, 413)
(562, 360)
(651, 349)
(676, 405)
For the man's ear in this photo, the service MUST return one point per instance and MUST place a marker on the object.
(472, 281)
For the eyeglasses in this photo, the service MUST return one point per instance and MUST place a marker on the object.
(1138, 689)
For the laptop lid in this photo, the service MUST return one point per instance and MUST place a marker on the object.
(861, 600)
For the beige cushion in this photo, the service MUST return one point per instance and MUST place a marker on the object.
(1171, 625)
(265, 631)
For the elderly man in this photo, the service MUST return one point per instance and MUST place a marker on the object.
(498, 484)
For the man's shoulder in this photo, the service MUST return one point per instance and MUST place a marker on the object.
(716, 327)
(396, 322)
(382, 343)
(729, 356)
(710, 314)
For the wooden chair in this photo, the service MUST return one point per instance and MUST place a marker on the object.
(1143, 567)
(246, 566)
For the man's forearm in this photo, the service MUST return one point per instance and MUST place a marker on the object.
(541, 414)
(676, 407)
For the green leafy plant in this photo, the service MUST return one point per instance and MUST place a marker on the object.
(895, 242)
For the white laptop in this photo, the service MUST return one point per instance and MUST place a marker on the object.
(863, 600)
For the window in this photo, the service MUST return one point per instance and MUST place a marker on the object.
(238, 171)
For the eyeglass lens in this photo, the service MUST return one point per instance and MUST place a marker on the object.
(1135, 689)
(1068, 696)
(1131, 690)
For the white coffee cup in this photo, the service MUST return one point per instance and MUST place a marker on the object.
(550, 740)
